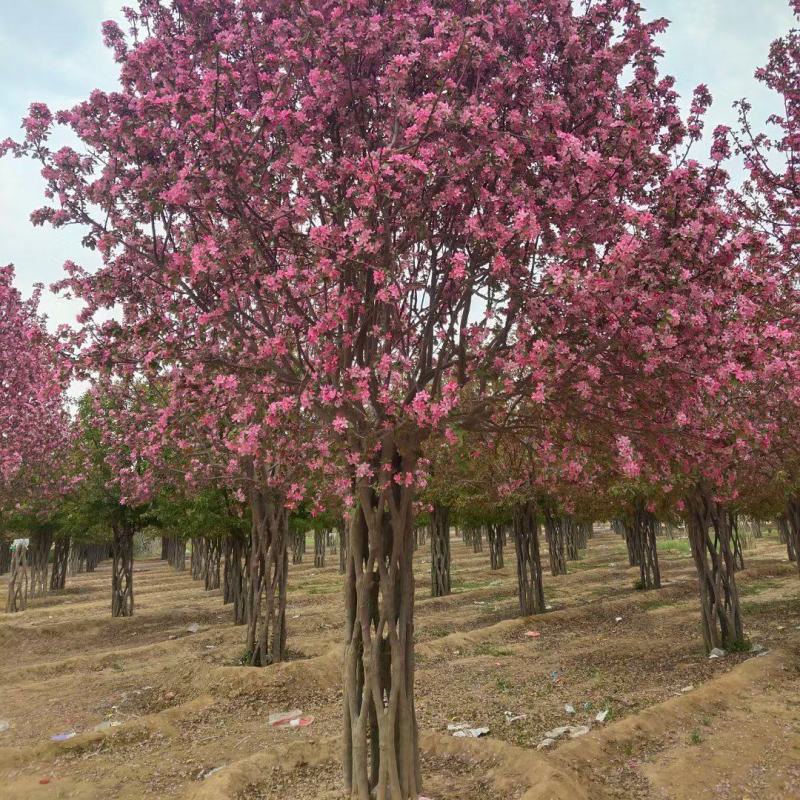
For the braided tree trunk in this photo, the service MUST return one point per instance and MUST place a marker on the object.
(122, 571)
(440, 550)
(269, 567)
(198, 559)
(714, 560)
(554, 530)
(494, 533)
(5, 556)
(234, 577)
(381, 752)
(530, 588)
(39, 553)
(571, 538)
(58, 577)
(477, 539)
(211, 574)
(793, 529)
(319, 549)
(165, 548)
(786, 537)
(18, 583)
(177, 551)
(298, 546)
(643, 534)
(342, 547)
(736, 541)
(77, 560)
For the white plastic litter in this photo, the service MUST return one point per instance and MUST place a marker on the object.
(717, 652)
(471, 733)
(601, 715)
(193, 628)
(512, 717)
(4, 725)
(569, 708)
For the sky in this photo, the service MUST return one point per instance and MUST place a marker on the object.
(52, 51)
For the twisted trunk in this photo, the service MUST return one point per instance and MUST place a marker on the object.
(18, 582)
(212, 550)
(494, 533)
(298, 546)
(342, 547)
(198, 560)
(269, 566)
(440, 550)
(39, 553)
(122, 571)
(5, 556)
(571, 538)
(709, 526)
(793, 528)
(380, 748)
(643, 534)
(319, 549)
(530, 588)
(58, 577)
(554, 531)
(234, 580)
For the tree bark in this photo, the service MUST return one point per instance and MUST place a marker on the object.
(269, 566)
(440, 550)
(319, 549)
(298, 546)
(212, 549)
(342, 547)
(643, 534)
(178, 552)
(122, 571)
(494, 534)
(39, 553)
(18, 582)
(530, 588)
(5, 556)
(793, 527)
(708, 524)
(165, 548)
(58, 577)
(234, 580)
(380, 748)
(554, 531)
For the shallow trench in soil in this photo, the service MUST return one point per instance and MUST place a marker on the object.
(193, 724)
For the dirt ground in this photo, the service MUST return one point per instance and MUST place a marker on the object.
(188, 722)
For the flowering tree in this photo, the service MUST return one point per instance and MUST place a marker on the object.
(385, 219)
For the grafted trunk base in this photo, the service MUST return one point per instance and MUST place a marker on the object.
(319, 549)
(234, 577)
(793, 529)
(39, 553)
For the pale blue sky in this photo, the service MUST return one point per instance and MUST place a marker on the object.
(52, 51)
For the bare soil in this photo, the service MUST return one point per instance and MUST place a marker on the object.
(189, 722)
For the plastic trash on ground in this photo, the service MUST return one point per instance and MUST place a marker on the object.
(4, 725)
(193, 628)
(512, 717)
(717, 652)
(533, 634)
(569, 708)
(106, 724)
(290, 719)
(63, 737)
(464, 730)
(601, 715)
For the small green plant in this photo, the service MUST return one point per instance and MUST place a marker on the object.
(695, 737)
(639, 585)
(244, 658)
(504, 685)
(740, 646)
(489, 649)
(117, 667)
(679, 546)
